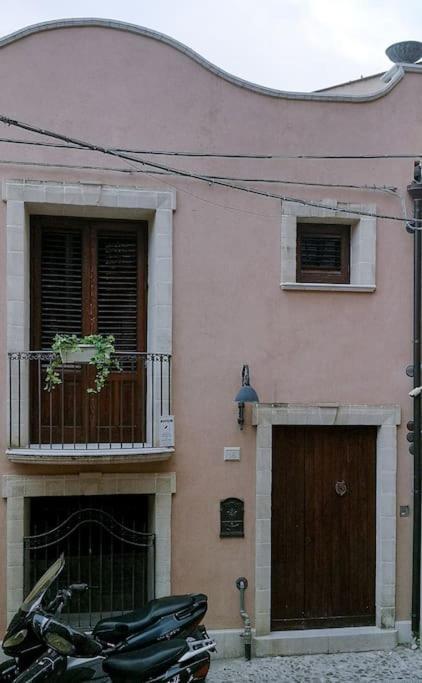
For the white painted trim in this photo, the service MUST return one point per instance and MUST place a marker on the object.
(362, 243)
(323, 287)
(386, 418)
(24, 197)
(18, 488)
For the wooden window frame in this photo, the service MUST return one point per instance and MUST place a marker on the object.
(90, 228)
(321, 275)
(90, 420)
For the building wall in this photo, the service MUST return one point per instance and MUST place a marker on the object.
(366, 85)
(120, 89)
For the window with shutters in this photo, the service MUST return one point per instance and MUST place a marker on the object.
(89, 277)
(331, 247)
(323, 253)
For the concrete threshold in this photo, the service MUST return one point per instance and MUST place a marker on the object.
(325, 641)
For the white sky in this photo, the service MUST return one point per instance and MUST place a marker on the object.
(286, 44)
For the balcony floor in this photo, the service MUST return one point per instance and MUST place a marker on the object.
(88, 453)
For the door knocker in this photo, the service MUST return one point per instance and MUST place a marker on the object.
(341, 487)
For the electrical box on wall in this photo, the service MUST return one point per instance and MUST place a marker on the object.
(167, 431)
(232, 453)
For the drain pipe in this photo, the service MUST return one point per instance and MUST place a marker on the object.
(415, 191)
(241, 585)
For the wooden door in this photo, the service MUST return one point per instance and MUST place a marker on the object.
(323, 527)
(88, 277)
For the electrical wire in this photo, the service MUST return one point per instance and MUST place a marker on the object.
(415, 155)
(218, 155)
(211, 178)
(187, 174)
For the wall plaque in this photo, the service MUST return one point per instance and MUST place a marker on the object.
(232, 513)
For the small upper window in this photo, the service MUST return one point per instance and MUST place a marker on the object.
(323, 253)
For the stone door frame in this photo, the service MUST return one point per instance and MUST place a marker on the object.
(386, 418)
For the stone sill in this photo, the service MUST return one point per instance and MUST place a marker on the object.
(60, 456)
(325, 641)
(325, 287)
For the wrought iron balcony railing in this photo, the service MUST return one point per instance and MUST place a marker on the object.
(126, 414)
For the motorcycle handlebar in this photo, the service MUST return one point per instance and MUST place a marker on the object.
(78, 587)
(62, 596)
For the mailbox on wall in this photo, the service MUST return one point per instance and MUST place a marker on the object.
(232, 514)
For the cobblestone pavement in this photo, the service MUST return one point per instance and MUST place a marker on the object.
(401, 664)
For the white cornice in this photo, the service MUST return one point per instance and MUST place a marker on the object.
(235, 80)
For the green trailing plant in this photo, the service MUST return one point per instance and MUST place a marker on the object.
(103, 358)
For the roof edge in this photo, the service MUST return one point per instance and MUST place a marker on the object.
(172, 42)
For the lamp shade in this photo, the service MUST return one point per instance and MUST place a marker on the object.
(246, 394)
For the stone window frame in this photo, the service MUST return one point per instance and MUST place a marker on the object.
(88, 200)
(362, 244)
(386, 418)
(18, 489)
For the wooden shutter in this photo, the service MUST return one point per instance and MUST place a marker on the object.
(89, 276)
(57, 284)
(323, 253)
(117, 287)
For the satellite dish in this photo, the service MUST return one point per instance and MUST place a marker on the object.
(407, 52)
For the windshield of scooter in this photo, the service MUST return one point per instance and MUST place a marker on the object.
(34, 598)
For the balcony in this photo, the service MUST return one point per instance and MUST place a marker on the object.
(127, 421)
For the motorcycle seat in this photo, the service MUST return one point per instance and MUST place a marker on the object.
(147, 662)
(113, 629)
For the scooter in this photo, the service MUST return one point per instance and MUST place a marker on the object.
(160, 620)
(72, 656)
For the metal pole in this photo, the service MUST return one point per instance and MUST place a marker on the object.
(241, 585)
(415, 190)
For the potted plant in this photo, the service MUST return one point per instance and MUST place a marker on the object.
(94, 349)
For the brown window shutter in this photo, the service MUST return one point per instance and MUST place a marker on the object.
(60, 284)
(323, 253)
(117, 287)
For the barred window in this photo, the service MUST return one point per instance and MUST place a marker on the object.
(323, 253)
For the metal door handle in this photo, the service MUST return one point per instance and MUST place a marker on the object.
(341, 487)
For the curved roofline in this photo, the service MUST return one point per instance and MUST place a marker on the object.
(163, 38)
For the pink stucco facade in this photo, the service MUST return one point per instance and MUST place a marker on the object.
(121, 87)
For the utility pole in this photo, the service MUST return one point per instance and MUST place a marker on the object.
(415, 191)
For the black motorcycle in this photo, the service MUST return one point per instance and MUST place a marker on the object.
(139, 641)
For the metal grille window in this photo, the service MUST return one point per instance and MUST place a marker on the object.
(106, 544)
(323, 253)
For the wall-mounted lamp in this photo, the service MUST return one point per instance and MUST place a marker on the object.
(246, 394)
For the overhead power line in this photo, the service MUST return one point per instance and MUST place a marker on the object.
(217, 155)
(211, 178)
(187, 174)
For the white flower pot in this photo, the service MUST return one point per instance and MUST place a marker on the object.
(83, 354)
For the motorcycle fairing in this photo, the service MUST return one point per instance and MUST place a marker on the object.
(34, 598)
